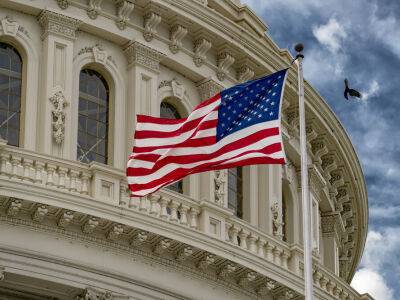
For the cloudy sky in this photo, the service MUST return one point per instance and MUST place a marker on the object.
(360, 40)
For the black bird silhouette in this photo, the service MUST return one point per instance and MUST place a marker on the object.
(349, 91)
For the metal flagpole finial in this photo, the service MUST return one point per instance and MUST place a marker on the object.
(299, 49)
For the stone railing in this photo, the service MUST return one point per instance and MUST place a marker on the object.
(106, 184)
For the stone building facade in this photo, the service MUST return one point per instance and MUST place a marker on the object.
(73, 75)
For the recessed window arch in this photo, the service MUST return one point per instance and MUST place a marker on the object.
(169, 111)
(10, 93)
(93, 117)
(235, 190)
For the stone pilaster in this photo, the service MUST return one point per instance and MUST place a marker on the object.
(143, 70)
(58, 35)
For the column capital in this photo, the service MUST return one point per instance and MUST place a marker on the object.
(208, 87)
(140, 54)
(58, 24)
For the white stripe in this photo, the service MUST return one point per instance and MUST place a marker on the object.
(212, 148)
(276, 155)
(169, 168)
(152, 142)
(199, 113)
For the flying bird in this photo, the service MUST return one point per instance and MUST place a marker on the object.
(348, 91)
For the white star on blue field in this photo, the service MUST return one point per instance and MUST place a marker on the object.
(358, 40)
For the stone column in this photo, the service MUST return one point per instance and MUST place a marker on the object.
(250, 192)
(330, 225)
(58, 35)
(213, 185)
(143, 70)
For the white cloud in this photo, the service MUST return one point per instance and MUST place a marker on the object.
(368, 281)
(388, 212)
(380, 253)
(373, 90)
(330, 35)
(386, 30)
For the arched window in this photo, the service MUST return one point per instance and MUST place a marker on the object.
(10, 93)
(168, 111)
(235, 190)
(93, 117)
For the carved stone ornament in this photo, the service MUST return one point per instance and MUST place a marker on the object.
(245, 73)
(201, 46)
(224, 61)
(137, 53)
(94, 8)
(219, 182)
(93, 294)
(63, 4)
(10, 26)
(58, 24)
(177, 33)
(208, 88)
(58, 115)
(245, 280)
(151, 20)
(276, 221)
(124, 9)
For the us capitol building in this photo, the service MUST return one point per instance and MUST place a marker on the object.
(73, 75)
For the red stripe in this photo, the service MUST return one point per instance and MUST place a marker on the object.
(237, 144)
(155, 120)
(200, 142)
(145, 134)
(179, 173)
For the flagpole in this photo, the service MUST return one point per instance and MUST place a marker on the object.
(307, 229)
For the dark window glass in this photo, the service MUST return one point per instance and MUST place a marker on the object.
(10, 93)
(170, 112)
(235, 190)
(93, 117)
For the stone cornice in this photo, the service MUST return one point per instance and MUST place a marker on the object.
(58, 24)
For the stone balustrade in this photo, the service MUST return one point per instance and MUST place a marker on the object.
(106, 184)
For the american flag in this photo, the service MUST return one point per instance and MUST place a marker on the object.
(239, 126)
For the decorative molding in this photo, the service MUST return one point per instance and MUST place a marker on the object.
(226, 270)
(206, 261)
(276, 220)
(184, 253)
(247, 278)
(55, 23)
(224, 61)
(139, 238)
(245, 73)
(124, 9)
(266, 287)
(94, 294)
(151, 21)
(94, 8)
(90, 225)
(63, 4)
(177, 33)
(40, 212)
(58, 115)
(208, 88)
(220, 177)
(115, 232)
(9, 26)
(162, 246)
(143, 55)
(201, 45)
(14, 207)
(65, 218)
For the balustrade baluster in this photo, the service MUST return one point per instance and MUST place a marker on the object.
(234, 235)
(15, 163)
(243, 234)
(183, 209)
(163, 207)
(174, 208)
(50, 174)
(85, 183)
(193, 217)
(62, 172)
(153, 204)
(27, 165)
(73, 177)
(39, 166)
(268, 250)
(261, 247)
(252, 243)
(4, 160)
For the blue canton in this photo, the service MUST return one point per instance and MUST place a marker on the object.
(249, 103)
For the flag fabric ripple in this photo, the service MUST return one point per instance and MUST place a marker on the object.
(239, 126)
